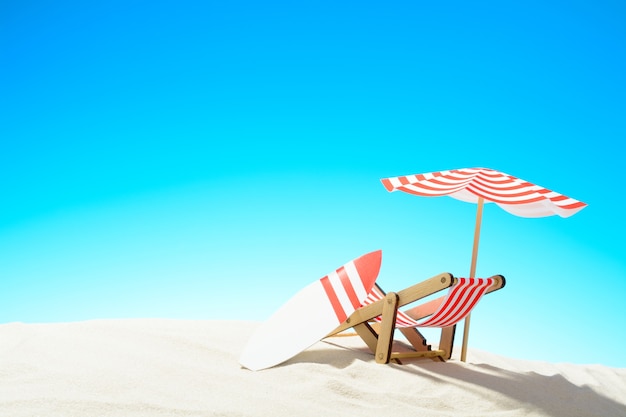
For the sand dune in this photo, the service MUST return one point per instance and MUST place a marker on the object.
(190, 368)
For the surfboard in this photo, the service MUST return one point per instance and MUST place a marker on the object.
(312, 313)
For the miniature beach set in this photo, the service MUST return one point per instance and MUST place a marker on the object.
(343, 345)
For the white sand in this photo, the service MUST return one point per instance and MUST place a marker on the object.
(189, 368)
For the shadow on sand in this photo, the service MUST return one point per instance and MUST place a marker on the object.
(552, 395)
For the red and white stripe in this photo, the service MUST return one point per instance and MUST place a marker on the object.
(461, 299)
(345, 290)
(512, 194)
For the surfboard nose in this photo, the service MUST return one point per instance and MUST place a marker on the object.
(368, 266)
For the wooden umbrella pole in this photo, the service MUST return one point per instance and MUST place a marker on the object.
(479, 216)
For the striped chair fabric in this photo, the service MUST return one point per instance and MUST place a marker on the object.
(461, 299)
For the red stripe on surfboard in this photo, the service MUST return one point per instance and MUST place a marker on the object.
(347, 286)
(367, 268)
(334, 301)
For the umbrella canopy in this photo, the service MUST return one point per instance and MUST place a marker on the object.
(484, 185)
(512, 194)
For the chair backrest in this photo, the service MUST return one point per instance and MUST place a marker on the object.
(459, 302)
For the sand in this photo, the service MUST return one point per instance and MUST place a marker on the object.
(155, 367)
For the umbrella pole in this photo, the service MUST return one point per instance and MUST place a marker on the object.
(479, 216)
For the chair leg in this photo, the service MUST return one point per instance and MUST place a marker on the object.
(447, 341)
(368, 334)
(415, 338)
(387, 327)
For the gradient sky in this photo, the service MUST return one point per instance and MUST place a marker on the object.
(206, 160)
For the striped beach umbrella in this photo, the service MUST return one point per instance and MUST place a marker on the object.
(484, 185)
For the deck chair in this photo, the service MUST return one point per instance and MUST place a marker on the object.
(376, 321)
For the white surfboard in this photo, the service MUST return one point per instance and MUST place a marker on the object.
(312, 313)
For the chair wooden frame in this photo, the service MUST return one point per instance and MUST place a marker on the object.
(380, 338)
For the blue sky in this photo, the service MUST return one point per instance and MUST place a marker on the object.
(202, 160)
